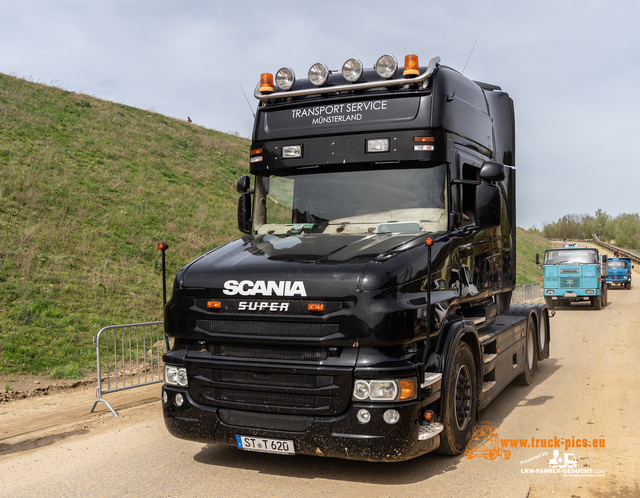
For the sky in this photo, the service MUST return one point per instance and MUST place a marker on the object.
(571, 67)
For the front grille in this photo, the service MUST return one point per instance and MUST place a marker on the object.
(272, 329)
(288, 353)
(266, 379)
(266, 421)
(267, 398)
(570, 282)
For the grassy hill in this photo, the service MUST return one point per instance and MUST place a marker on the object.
(87, 190)
(528, 244)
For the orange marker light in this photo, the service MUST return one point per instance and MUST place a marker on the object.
(423, 139)
(315, 307)
(266, 83)
(256, 151)
(407, 389)
(428, 415)
(216, 305)
(429, 241)
(411, 66)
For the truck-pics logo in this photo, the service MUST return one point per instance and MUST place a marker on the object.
(485, 443)
(268, 288)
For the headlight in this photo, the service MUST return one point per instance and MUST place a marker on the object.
(318, 74)
(550, 292)
(386, 66)
(175, 376)
(352, 70)
(285, 78)
(384, 390)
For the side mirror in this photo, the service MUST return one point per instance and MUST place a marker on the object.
(604, 266)
(244, 183)
(537, 259)
(492, 170)
(488, 205)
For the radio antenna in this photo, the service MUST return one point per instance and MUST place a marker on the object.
(245, 98)
(450, 97)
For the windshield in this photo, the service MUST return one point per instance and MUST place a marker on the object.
(373, 201)
(571, 257)
(617, 264)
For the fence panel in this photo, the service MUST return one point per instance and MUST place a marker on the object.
(128, 356)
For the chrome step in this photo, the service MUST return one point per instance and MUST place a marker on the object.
(488, 385)
(430, 430)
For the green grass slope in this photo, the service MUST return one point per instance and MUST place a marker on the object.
(527, 245)
(87, 190)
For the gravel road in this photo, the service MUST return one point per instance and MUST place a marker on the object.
(588, 389)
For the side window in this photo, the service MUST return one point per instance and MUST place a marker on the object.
(469, 172)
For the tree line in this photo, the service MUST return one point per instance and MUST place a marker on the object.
(624, 229)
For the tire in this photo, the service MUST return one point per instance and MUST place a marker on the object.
(550, 303)
(459, 402)
(530, 356)
(543, 335)
(605, 297)
(597, 302)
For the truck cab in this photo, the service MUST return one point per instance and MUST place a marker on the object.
(365, 312)
(574, 274)
(619, 272)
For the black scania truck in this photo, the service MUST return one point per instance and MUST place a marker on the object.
(365, 313)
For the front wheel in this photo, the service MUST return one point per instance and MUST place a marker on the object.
(597, 302)
(459, 403)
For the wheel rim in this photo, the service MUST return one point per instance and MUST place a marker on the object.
(463, 398)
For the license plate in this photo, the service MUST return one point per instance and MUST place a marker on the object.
(265, 445)
(570, 294)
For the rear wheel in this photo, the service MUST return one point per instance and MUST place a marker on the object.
(530, 357)
(459, 403)
(543, 335)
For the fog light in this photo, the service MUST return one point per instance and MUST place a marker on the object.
(391, 416)
(291, 151)
(165, 398)
(378, 145)
(179, 401)
(364, 416)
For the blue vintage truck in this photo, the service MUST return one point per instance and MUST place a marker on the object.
(575, 274)
(619, 272)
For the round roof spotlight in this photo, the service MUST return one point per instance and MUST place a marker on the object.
(285, 78)
(319, 74)
(352, 70)
(386, 66)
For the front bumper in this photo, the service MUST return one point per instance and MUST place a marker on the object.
(337, 436)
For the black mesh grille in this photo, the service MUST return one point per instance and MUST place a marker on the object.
(265, 421)
(282, 329)
(267, 379)
(269, 353)
(268, 398)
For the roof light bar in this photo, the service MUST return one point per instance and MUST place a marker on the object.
(347, 87)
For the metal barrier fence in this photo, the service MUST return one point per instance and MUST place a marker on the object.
(526, 292)
(623, 252)
(131, 356)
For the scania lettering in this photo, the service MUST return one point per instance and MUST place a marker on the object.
(365, 312)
